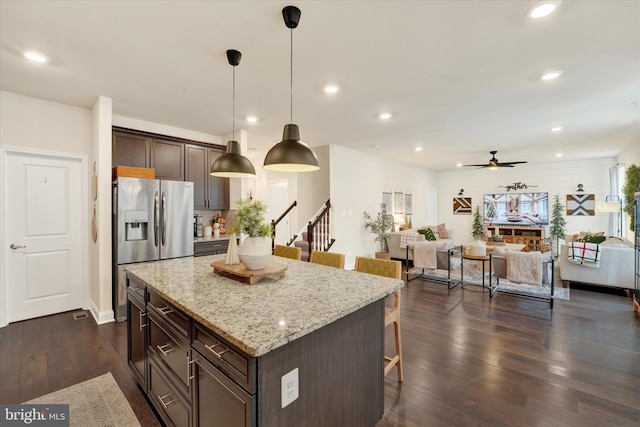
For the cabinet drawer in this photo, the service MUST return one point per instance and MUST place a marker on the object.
(232, 361)
(218, 401)
(171, 349)
(176, 318)
(172, 407)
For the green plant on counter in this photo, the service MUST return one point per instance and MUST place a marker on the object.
(380, 226)
(250, 219)
(631, 186)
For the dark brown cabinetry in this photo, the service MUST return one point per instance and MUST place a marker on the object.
(174, 159)
(131, 150)
(167, 158)
(137, 336)
(209, 192)
(218, 401)
(211, 247)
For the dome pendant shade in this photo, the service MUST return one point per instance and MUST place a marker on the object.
(291, 154)
(232, 164)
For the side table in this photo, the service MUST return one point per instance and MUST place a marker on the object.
(481, 259)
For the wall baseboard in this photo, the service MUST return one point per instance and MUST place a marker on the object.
(101, 317)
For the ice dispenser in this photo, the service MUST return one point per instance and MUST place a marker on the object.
(136, 225)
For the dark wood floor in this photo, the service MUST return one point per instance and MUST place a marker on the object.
(468, 361)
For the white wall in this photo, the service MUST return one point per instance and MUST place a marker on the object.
(357, 181)
(313, 187)
(554, 177)
(35, 123)
(101, 270)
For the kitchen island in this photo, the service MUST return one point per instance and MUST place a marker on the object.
(209, 350)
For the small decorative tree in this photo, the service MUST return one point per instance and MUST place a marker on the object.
(477, 227)
(380, 226)
(491, 211)
(557, 230)
(631, 186)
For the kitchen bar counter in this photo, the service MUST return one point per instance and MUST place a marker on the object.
(262, 317)
(305, 349)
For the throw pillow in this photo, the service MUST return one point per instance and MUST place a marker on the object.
(499, 251)
(428, 234)
(594, 239)
(442, 231)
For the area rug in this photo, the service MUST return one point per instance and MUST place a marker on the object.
(97, 402)
(473, 276)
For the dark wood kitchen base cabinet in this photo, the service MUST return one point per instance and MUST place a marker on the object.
(196, 378)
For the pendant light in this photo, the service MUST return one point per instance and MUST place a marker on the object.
(232, 164)
(291, 154)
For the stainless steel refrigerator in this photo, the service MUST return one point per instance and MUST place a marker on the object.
(152, 220)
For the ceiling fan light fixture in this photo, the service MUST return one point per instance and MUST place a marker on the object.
(291, 154)
(233, 164)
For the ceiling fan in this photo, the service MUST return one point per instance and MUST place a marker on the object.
(494, 163)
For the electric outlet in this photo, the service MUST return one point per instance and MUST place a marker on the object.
(289, 385)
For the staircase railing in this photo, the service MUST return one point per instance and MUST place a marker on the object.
(275, 222)
(319, 230)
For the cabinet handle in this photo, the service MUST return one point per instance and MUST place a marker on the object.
(161, 399)
(189, 368)
(165, 310)
(142, 324)
(162, 349)
(211, 348)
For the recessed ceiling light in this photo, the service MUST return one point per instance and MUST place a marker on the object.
(331, 89)
(385, 116)
(559, 154)
(418, 149)
(35, 56)
(551, 75)
(252, 119)
(556, 129)
(542, 9)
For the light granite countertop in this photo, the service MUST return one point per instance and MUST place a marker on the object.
(262, 317)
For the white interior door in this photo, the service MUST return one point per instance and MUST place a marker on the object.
(43, 226)
(277, 202)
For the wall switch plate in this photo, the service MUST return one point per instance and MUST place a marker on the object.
(289, 384)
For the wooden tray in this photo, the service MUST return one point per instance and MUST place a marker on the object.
(241, 273)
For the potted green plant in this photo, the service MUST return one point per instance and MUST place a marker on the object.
(556, 231)
(380, 226)
(255, 250)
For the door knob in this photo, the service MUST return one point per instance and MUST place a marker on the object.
(14, 246)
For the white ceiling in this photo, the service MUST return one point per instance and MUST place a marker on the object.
(461, 77)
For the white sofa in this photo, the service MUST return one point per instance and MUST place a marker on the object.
(616, 268)
(397, 252)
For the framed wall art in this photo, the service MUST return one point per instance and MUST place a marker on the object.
(387, 200)
(408, 203)
(462, 205)
(581, 204)
(399, 202)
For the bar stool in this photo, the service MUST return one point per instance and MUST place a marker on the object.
(327, 258)
(393, 269)
(288, 252)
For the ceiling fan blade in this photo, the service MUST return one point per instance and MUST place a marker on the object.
(512, 163)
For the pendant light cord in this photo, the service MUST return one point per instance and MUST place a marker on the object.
(291, 73)
(233, 111)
